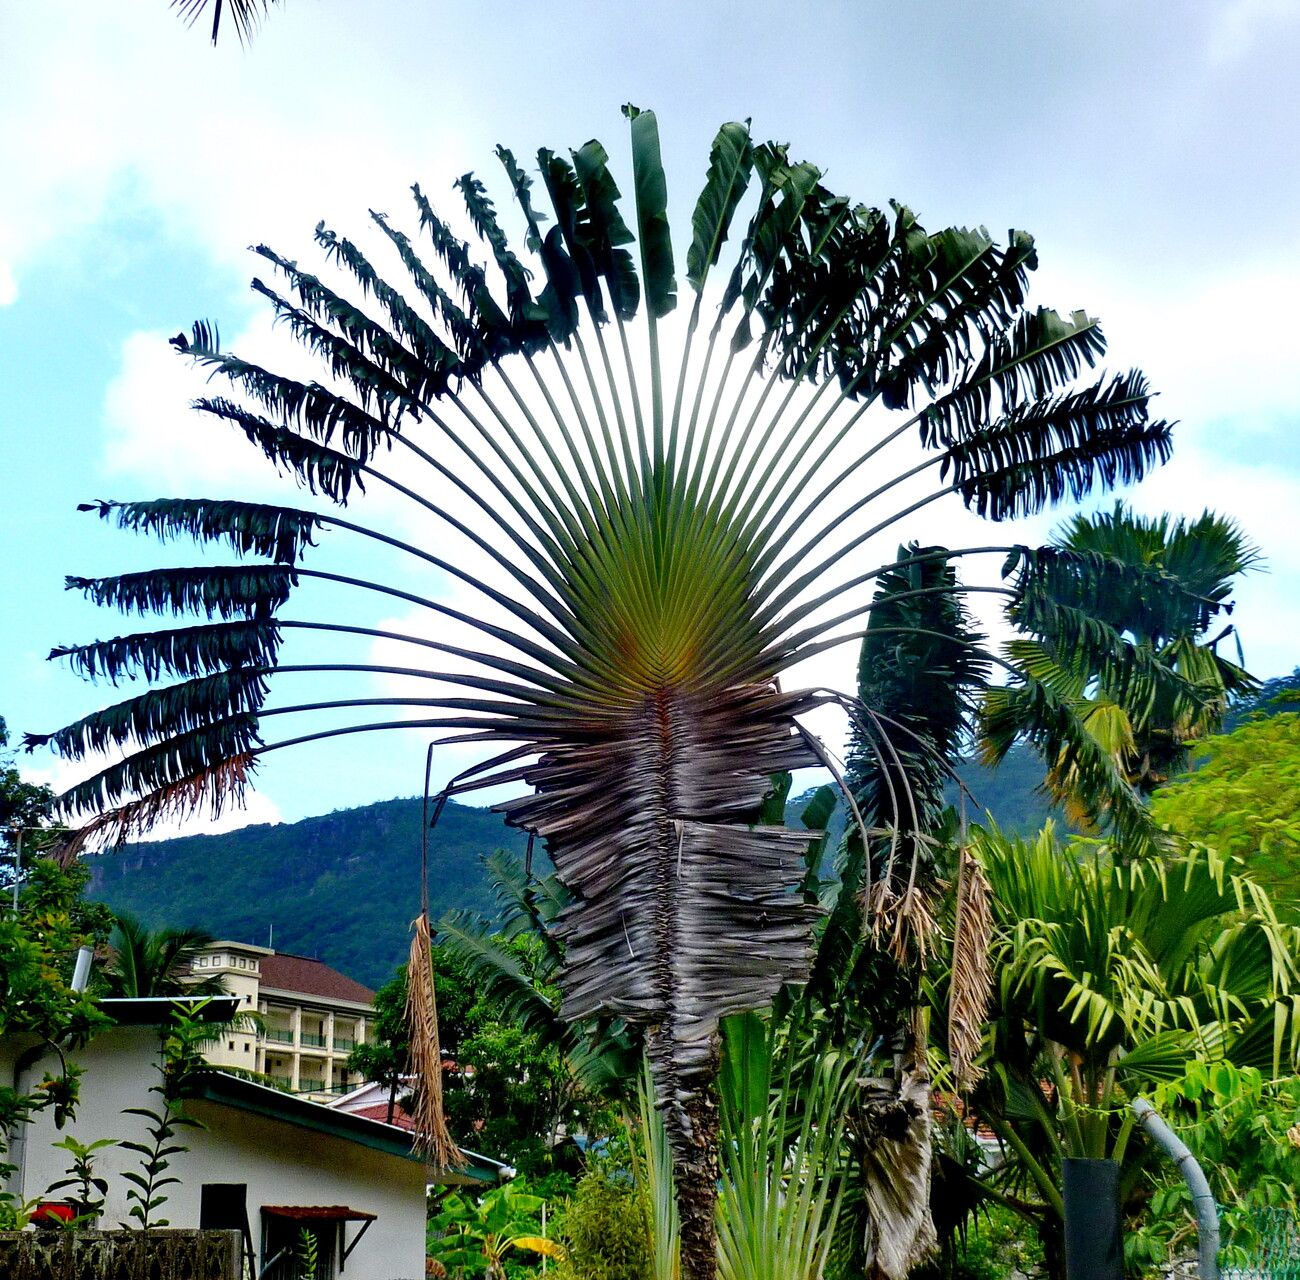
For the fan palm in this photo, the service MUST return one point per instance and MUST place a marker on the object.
(664, 539)
(146, 962)
(1148, 729)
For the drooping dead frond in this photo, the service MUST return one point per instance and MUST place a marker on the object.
(213, 788)
(902, 919)
(972, 977)
(897, 1174)
(432, 1138)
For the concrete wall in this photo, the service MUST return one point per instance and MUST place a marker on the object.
(281, 1164)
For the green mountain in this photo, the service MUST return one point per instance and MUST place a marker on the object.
(344, 887)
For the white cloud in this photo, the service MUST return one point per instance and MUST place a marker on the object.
(1239, 25)
(125, 111)
(153, 435)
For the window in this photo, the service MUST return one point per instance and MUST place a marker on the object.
(280, 1236)
(230, 1044)
(337, 1231)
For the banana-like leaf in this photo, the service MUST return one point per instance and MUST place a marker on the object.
(731, 162)
(653, 233)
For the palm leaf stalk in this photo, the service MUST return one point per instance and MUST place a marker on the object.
(653, 552)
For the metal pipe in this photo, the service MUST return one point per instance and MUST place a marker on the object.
(18, 863)
(1207, 1212)
(81, 972)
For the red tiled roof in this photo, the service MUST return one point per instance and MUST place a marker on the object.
(285, 972)
(380, 1112)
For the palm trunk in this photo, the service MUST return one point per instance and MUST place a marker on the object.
(683, 912)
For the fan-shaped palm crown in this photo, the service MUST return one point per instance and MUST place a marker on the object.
(667, 536)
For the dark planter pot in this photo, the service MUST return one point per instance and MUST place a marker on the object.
(1093, 1247)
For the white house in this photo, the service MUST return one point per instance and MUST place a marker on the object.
(265, 1162)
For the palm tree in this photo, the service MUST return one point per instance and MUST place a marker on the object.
(919, 668)
(1111, 977)
(1146, 727)
(662, 539)
(144, 962)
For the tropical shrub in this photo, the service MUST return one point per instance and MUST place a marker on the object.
(1109, 979)
(1244, 1130)
(604, 1228)
(490, 1236)
(38, 945)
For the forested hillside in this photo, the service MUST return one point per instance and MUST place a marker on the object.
(342, 887)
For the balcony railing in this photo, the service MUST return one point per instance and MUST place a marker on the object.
(285, 1082)
(311, 1086)
(311, 1040)
(342, 1042)
(279, 1036)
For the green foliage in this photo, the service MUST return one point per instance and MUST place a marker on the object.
(997, 1242)
(37, 950)
(81, 1174)
(605, 1229)
(1244, 800)
(149, 963)
(180, 1061)
(306, 1255)
(1110, 978)
(785, 1095)
(29, 805)
(384, 1060)
(482, 1238)
(512, 1088)
(1244, 1130)
(1115, 676)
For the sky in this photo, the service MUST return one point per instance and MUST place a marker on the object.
(1151, 149)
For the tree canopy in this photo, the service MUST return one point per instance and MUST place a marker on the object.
(1243, 799)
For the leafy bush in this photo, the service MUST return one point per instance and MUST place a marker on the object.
(605, 1230)
(1244, 1129)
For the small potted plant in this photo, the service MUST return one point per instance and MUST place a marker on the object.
(83, 1211)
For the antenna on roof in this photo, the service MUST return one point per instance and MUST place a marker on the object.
(270, 937)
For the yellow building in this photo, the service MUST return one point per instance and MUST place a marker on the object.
(312, 1017)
